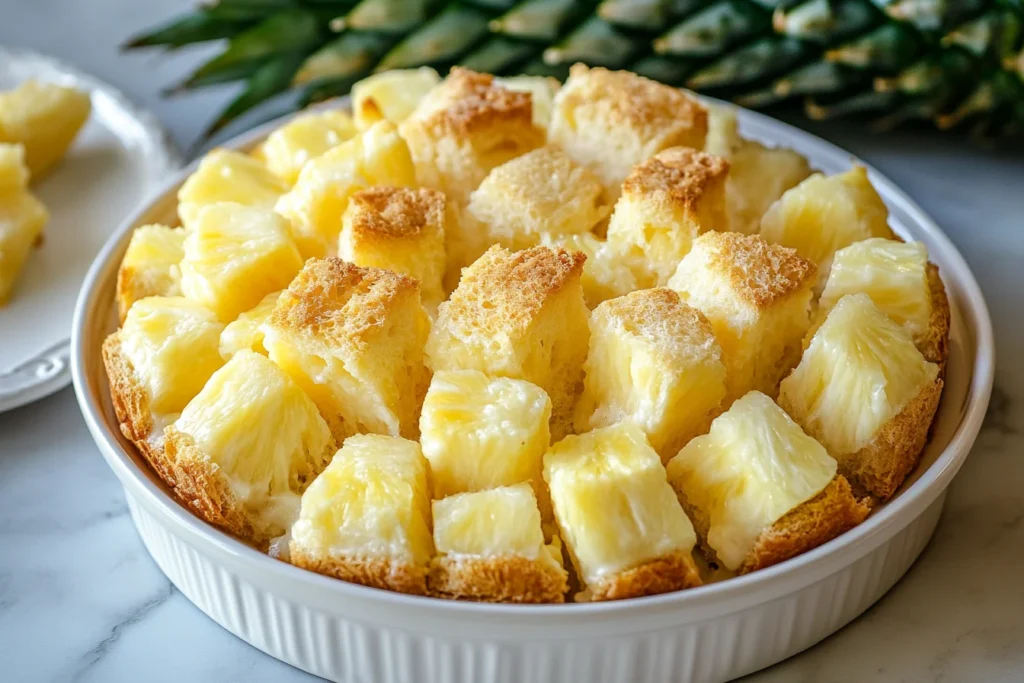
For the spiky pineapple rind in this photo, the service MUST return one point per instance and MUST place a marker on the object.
(512, 579)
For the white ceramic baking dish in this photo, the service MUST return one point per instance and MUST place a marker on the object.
(346, 632)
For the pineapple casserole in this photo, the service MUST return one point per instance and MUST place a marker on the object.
(506, 340)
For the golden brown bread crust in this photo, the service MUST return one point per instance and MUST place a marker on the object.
(497, 579)
(381, 214)
(665, 574)
(679, 176)
(659, 316)
(934, 346)
(373, 572)
(759, 273)
(467, 102)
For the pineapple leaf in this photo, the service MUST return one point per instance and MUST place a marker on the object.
(272, 78)
(709, 32)
(226, 73)
(248, 10)
(499, 55)
(539, 20)
(886, 49)
(597, 43)
(386, 16)
(345, 59)
(198, 27)
(761, 59)
(824, 21)
(440, 41)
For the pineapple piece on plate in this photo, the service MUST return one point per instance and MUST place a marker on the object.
(45, 118)
(366, 518)
(625, 530)
(480, 432)
(290, 147)
(391, 95)
(234, 256)
(519, 315)
(542, 90)
(245, 448)
(759, 490)
(225, 175)
(610, 121)
(353, 338)
(757, 297)
(667, 201)
(150, 266)
(22, 219)
(246, 331)
(322, 192)
(14, 174)
(866, 393)
(902, 283)
(402, 230)
(490, 548)
(653, 361)
(605, 276)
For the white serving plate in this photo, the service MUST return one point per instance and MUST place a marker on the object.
(351, 633)
(119, 157)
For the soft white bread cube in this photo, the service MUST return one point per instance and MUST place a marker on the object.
(289, 148)
(366, 518)
(654, 362)
(225, 175)
(611, 121)
(246, 331)
(520, 315)
(866, 393)
(667, 201)
(605, 273)
(391, 95)
(490, 548)
(757, 297)
(353, 339)
(626, 533)
(150, 266)
(759, 490)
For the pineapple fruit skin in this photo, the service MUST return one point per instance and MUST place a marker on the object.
(604, 275)
(491, 548)
(366, 519)
(391, 95)
(246, 331)
(290, 147)
(22, 219)
(225, 175)
(150, 266)
(45, 118)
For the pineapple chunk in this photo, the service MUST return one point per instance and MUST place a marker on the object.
(353, 339)
(150, 266)
(402, 230)
(624, 528)
(723, 138)
(757, 297)
(321, 194)
(225, 175)
(491, 548)
(22, 218)
(667, 201)
(391, 95)
(246, 331)
(519, 315)
(306, 137)
(866, 393)
(653, 361)
(826, 213)
(234, 256)
(13, 171)
(542, 91)
(611, 121)
(246, 447)
(45, 118)
(366, 518)
(758, 176)
(479, 433)
(604, 274)
(750, 471)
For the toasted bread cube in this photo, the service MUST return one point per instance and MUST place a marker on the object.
(402, 230)
(45, 118)
(667, 201)
(611, 121)
(225, 175)
(234, 256)
(353, 338)
(490, 548)
(321, 194)
(246, 447)
(625, 530)
(653, 361)
(605, 275)
(391, 95)
(366, 518)
(22, 219)
(246, 331)
(519, 315)
(759, 490)
(14, 173)
(542, 91)
(757, 297)
(150, 266)
(289, 148)
(866, 393)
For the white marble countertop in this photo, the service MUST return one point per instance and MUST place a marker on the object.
(80, 600)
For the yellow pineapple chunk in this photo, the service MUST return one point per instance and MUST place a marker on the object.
(542, 91)
(246, 331)
(653, 361)
(519, 315)
(321, 194)
(605, 275)
(366, 518)
(757, 297)
(22, 219)
(667, 201)
(14, 173)
(234, 256)
(246, 447)
(391, 95)
(304, 138)
(225, 175)
(491, 548)
(353, 339)
(753, 469)
(45, 118)
(866, 393)
(723, 138)
(150, 266)
(624, 528)
(758, 176)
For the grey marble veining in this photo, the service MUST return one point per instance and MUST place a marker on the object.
(80, 600)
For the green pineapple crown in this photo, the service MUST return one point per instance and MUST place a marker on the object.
(958, 64)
